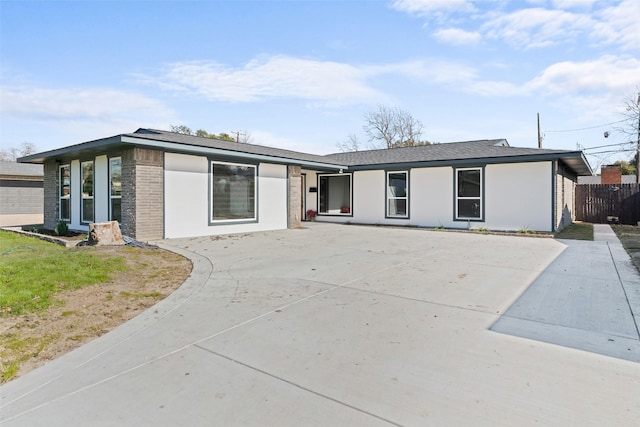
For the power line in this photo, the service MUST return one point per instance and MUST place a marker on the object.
(629, 150)
(609, 145)
(587, 128)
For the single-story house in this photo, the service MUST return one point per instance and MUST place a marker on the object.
(160, 184)
(21, 194)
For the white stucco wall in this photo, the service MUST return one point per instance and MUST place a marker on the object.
(431, 194)
(519, 196)
(187, 198)
(516, 196)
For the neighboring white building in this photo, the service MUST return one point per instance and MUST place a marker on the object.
(161, 184)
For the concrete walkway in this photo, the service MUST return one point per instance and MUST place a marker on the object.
(349, 326)
(588, 298)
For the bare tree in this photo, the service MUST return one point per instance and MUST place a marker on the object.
(350, 144)
(10, 154)
(391, 127)
(630, 127)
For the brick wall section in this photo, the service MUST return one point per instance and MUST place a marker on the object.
(51, 201)
(565, 196)
(295, 196)
(143, 194)
(610, 175)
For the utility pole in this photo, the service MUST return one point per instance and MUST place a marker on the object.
(539, 134)
(238, 133)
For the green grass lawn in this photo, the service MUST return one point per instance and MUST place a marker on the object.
(33, 271)
(576, 231)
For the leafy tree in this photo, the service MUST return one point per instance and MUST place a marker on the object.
(185, 130)
(223, 136)
(10, 154)
(391, 127)
(627, 168)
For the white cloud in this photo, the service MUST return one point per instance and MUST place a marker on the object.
(608, 73)
(77, 103)
(570, 4)
(428, 7)
(619, 25)
(456, 36)
(320, 82)
(269, 77)
(544, 23)
(536, 27)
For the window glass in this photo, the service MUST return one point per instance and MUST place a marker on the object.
(469, 194)
(115, 188)
(334, 194)
(233, 192)
(397, 199)
(65, 192)
(469, 183)
(87, 191)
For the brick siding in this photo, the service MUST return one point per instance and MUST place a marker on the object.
(143, 194)
(51, 200)
(565, 197)
(610, 175)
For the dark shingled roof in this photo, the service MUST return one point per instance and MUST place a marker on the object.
(488, 148)
(198, 141)
(455, 153)
(482, 151)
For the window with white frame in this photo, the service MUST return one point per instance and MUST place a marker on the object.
(469, 194)
(87, 184)
(397, 194)
(334, 194)
(115, 189)
(233, 192)
(65, 192)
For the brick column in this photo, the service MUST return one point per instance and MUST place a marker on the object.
(611, 174)
(143, 194)
(294, 174)
(51, 199)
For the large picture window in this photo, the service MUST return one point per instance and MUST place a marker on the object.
(397, 194)
(334, 194)
(233, 192)
(86, 213)
(65, 193)
(115, 189)
(469, 194)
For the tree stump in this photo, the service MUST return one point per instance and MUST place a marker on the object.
(105, 233)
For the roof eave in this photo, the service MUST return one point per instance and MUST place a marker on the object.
(85, 147)
(210, 151)
(581, 167)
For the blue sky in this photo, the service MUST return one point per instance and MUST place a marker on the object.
(302, 74)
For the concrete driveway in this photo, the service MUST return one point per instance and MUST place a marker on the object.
(346, 326)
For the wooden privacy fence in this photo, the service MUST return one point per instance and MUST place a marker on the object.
(597, 203)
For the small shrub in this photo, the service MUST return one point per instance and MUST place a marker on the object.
(62, 229)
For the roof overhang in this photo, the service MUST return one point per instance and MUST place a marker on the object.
(121, 142)
(575, 160)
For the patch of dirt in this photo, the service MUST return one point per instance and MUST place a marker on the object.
(629, 235)
(81, 315)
